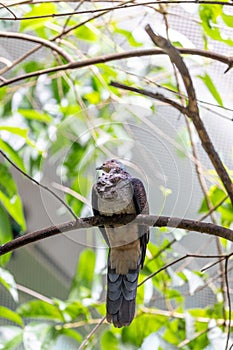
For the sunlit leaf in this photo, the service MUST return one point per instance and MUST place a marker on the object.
(37, 11)
(7, 280)
(211, 87)
(19, 132)
(216, 195)
(227, 19)
(128, 35)
(165, 191)
(35, 115)
(40, 309)
(86, 32)
(10, 315)
(12, 154)
(210, 16)
(174, 332)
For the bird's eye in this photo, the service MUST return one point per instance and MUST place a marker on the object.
(112, 160)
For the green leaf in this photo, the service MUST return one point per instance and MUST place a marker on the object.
(10, 337)
(227, 19)
(19, 132)
(37, 11)
(10, 315)
(10, 198)
(86, 32)
(109, 341)
(141, 327)
(5, 234)
(128, 35)
(35, 115)
(7, 280)
(40, 309)
(70, 333)
(226, 212)
(216, 195)
(82, 283)
(12, 154)
(211, 18)
(211, 87)
(174, 332)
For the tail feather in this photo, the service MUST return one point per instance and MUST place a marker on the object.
(121, 295)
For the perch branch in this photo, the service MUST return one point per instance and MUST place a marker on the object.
(150, 220)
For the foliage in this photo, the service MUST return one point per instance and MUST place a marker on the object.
(72, 116)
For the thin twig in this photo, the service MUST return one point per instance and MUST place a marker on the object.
(151, 94)
(124, 6)
(213, 208)
(39, 184)
(229, 303)
(33, 293)
(41, 41)
(91, 333)
(178, 260)
(9, 10)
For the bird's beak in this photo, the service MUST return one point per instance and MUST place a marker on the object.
(99, 167)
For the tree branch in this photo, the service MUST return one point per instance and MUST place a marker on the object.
(155, 95)
(228, 60)
(192, 110)
(34, 39)
(150, 220)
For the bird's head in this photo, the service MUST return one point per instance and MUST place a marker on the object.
(110, 164)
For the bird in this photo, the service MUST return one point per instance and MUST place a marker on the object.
(116, 192)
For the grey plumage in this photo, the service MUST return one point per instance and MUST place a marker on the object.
(116, 192)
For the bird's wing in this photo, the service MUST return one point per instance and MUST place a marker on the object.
(96, 212)
(142, 207)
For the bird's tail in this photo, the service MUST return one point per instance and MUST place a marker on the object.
(121, 296)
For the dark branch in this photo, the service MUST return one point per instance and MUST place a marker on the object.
(34, 39)
(192, 110)
(118, 7)
(150, 220)
(151, 94)
(228, 60)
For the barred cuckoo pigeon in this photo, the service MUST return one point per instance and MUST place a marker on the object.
(117, 192)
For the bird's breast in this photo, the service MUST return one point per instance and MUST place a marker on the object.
(117, 199)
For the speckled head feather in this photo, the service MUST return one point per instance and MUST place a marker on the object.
(111, 164)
